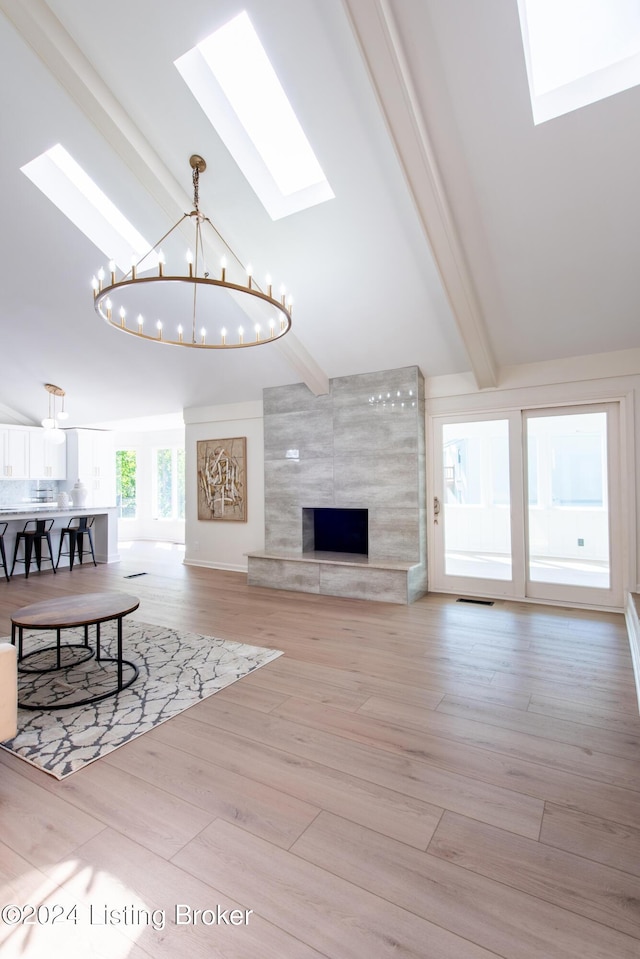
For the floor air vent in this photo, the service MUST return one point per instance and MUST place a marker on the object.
(475, 602)
(133, 575)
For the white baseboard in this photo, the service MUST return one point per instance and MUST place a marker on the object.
(633, 631)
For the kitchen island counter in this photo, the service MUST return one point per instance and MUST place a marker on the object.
(105, 529)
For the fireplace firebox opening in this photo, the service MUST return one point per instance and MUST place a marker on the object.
(335, 530)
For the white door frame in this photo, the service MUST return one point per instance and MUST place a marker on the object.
(621, 453)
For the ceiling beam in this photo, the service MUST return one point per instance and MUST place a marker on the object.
(376, 32)
(14, 417)
(41, 29)
(299, 358)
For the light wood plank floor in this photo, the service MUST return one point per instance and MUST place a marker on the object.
(440, 781)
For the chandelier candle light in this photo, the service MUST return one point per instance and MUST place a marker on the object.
(220, 309)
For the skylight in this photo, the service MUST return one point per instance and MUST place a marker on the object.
(232, 78)
(578, 52)
(66, 184)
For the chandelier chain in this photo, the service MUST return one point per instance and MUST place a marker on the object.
(196, 191)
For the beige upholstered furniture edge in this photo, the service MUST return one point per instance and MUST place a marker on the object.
(8, 692)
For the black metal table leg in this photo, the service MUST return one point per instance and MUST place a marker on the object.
(119, 652)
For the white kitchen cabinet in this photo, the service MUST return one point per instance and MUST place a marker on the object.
(47, 460)
(14, 453)
(91, 459)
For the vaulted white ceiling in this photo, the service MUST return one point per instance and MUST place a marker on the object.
(461, 237)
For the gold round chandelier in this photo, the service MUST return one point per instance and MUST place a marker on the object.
(193, 309)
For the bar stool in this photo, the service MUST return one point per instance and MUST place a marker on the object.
(3, 555)
(35, 530)
(78, 528)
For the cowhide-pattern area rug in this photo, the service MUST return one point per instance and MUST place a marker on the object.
(176, 670)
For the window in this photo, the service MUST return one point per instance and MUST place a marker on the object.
(232, 78)
(533, 468)
(168, 498)
(463, 456)
(66, 184)
(476, 509)
(570, 451)
(499, 481)
(578, 52)
(126, 483)
(476, 463)
(576, 475)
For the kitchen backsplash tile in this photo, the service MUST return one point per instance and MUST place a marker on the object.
(17, 492)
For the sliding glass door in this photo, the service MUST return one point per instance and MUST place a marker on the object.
(527, 505)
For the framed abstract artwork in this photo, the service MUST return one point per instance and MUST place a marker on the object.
(222, 480)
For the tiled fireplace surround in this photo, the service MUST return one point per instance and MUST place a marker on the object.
(348, 449)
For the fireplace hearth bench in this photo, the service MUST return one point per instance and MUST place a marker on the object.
(338, 574)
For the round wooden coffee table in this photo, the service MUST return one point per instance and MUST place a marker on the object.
(65, 612)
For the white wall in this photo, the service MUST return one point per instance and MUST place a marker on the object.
(219, 544)
(144, 526)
